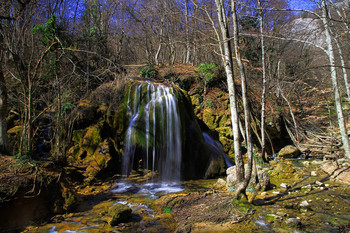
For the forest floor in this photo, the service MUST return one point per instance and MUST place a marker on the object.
(24, 177)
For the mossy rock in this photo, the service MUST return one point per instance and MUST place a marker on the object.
(104, 159)
(119, 213)
(85, 114)
(14, 136)
(196, 100)
(92, 138)
(284, 170)
(69, 197)
(225, 120)
(225, 132)
(210, 118)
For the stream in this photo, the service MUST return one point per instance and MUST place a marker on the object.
(200, 206)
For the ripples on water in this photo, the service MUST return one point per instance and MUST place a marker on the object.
(151, 190)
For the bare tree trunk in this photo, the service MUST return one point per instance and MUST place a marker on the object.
(340, 51)
(3, 103)
(263, 95)
(227, 60)
(242, 184)
(337, 99)
(188, 45)
(343, 67)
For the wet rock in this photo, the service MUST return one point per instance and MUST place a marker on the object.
(119, 213)
(316, 162)
(289, 152)
(284, 170)
(285, 186)
(273, 218)
(307, 188)
(319, 184)
(291, 205)
(304, 205)
(282, 214)
(306, 163)
(293, 222)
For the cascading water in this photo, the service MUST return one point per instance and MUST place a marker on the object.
(218, 148)
(153, 136)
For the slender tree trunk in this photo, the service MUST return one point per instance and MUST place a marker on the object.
(29, 122)
(228, 64)
(340, 51)
(188, 45)
(343, 67)
(242, 185)
(337, 99)
(263, 95)
(3, 103)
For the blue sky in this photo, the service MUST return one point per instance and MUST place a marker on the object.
(300, 4)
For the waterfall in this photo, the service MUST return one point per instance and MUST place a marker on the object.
(153, 136)
(217, 147)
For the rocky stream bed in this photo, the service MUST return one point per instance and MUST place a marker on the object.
(304, 198)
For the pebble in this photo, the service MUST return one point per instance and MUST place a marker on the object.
(285, 186)
(274, 217)
(293, 222)
(306, 163)
(307, 187)
(282, 214)
(327, 200)
(304, 204)
(319, 184)
(313, 173)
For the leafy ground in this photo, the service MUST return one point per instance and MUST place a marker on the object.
(19, 177)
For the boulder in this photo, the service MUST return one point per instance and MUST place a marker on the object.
(263, 177)
(289, 152)
(221, 183)
(119, 213)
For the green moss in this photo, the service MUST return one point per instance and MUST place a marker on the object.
(92, 139)
(69, 197)
(196, 100)
(284, 170)
(78, 136)
(210, 119)
(225, 120)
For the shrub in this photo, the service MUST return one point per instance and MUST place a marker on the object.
(149, 72)
(207, 70)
